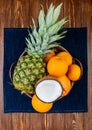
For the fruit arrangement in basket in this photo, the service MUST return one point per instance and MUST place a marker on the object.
(46, 71)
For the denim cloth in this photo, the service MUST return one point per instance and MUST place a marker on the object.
(14, 43)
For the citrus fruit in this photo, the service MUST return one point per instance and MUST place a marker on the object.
(57, 66)
(40, 106)
(66, 84)
(74, 72)
(49, 56)
(66, 56)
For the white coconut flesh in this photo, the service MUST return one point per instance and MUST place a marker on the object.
(48, 90)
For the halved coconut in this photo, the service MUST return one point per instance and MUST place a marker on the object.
(48, 90)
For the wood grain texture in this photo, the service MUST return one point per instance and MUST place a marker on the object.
(18, 13)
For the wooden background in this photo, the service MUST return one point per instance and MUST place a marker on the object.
(18, 13)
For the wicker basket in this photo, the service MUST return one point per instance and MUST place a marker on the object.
(58, 49)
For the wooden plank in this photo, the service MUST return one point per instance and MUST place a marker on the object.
(87, 21)
(55, 122)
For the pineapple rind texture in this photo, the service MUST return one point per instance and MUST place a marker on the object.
(27, 72)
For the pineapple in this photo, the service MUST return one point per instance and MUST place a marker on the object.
(31, 67)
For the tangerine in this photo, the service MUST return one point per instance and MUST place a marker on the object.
(49, 56)
(66, 56)
(66, 84)
(57, 66)
(74, 72)
(40, 106)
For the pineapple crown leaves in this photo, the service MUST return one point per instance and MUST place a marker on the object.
(53, 14)
(42, 39)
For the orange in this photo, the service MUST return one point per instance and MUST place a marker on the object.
(74, 72)
(49, 56)
(40, 106)
(66, 56)
(66, 84)
(57, 66)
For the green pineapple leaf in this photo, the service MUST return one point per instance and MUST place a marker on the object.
(52, 46)
(31, 38)
(38, 38)
(42, 30)
(56, 27)
(41, 19)
(56, 13)
(29, 44)
(49, 16)
(44, 46)
(55, 38)
(64, 32)
(36, 34)
(46, 38)
(42, 23)
(34, 31)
